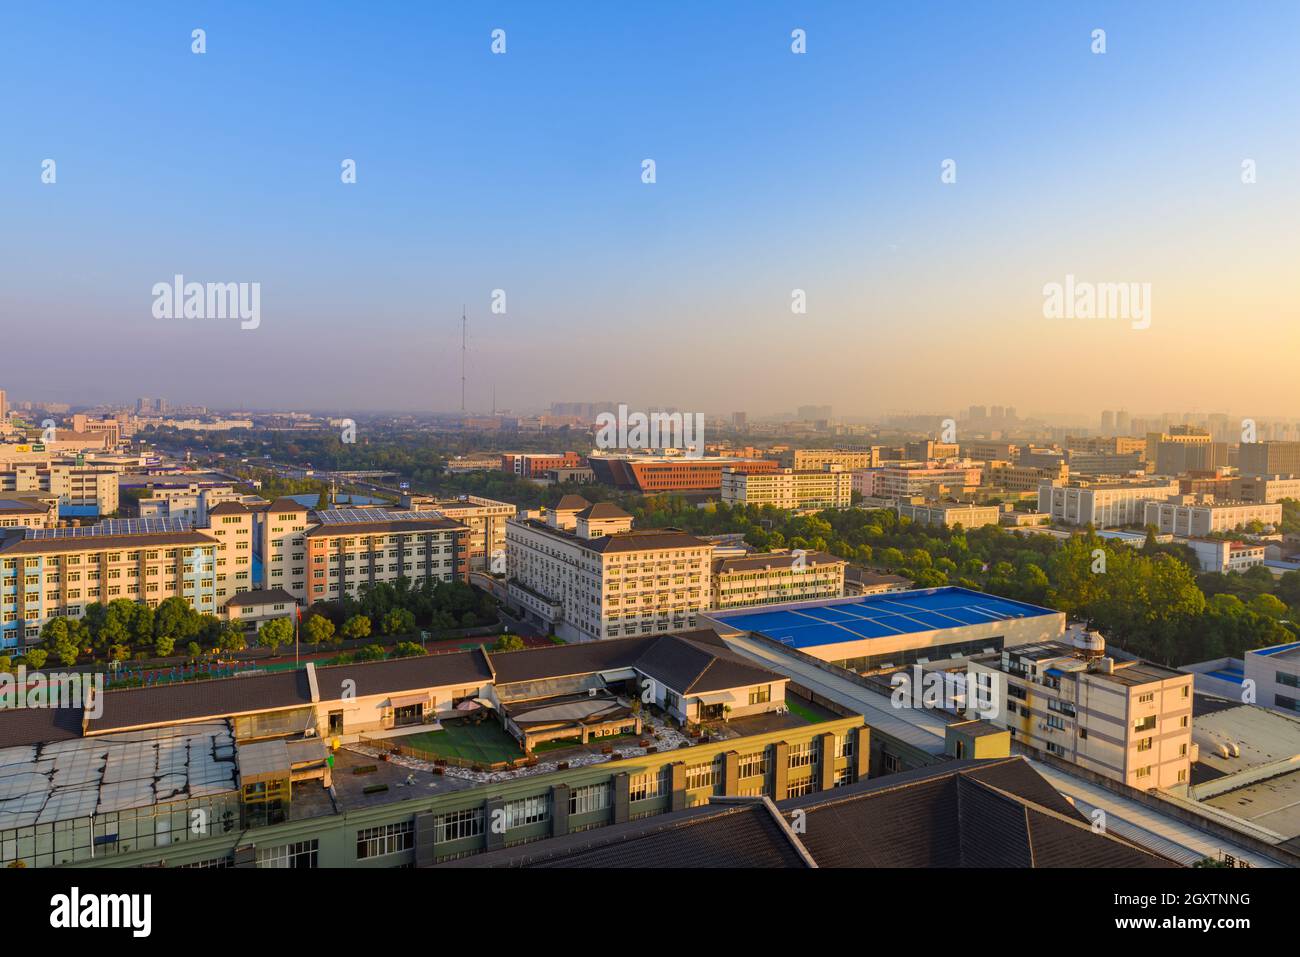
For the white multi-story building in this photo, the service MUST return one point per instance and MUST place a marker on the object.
(588, 575)
(951, 514)
(1103, 505)
(919, 481)
(1217, 555)
(1198, 519)
(828, 487)
(1267, 489)
(768, 577)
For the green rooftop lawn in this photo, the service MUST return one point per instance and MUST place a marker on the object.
(809, 712)
(484, 743)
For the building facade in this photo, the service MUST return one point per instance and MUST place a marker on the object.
(588, 575)
(1128, 720)
(829, 487)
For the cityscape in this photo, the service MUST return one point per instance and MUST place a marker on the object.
(638, 484)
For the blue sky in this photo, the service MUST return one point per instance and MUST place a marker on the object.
(775, 171)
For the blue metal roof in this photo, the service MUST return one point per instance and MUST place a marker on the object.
(878, 616)
(1276, 649)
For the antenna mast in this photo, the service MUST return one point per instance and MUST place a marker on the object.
(464, 340)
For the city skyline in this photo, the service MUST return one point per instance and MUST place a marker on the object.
(776, 173)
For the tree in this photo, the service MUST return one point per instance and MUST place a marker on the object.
(509, 642)
(163, 646)
(36, 657)
(60, 640)
(407, 649)
(358, 626)
(193, 649)
(232, 638)
(399, 621)
(318, 629)
(276, 632)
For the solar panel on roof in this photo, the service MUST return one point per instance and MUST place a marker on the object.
(114, 527)
(352, 516)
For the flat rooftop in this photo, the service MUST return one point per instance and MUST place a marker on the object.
(878, 616)
(1289, 652)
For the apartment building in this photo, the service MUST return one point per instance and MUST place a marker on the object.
(828, 487)
(77, 487)
(1266, 489)
(1129, 720)
(232, 525)
(1199, 519)
(282, 527)
(1269, 458)
(1103, 505)
(769, 577)
(485, 518)
(347, 548)
(586, 573)
(848, 459)
(52, 572)
(950, 514)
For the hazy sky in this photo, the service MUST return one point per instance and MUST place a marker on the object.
(775, 172)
